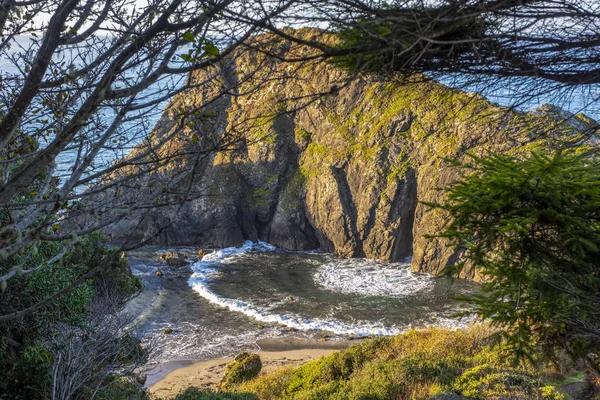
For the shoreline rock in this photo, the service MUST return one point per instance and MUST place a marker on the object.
(348, 173)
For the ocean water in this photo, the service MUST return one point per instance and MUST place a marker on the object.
(136, 126)
(233, 297)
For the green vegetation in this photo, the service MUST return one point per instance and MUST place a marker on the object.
(199, 394)
(244, 367)
(302, 134)
(351, 37)
(531, 225)
(28, 344)
(427, 364)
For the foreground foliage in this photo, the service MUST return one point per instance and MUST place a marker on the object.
(531, 226)
(429, 364)
(61, 345)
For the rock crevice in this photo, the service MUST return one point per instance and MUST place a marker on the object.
(346, 172)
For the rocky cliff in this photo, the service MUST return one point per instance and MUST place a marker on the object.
(317, 158)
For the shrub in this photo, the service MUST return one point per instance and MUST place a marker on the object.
(484, 382)
(269, 386)
(531, 226)
(25, 357)
(336, 367)
(199, 394)
(244, 367)
(122, 389)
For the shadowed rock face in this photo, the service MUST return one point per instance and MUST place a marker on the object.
(344, 171)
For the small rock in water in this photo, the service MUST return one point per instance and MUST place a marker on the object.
(261, 326)
(141, 379)
(203, 252)
(324, 338)
(179, 276)
(290, 298)
(173, 259)
(167, 331)
(159, 273)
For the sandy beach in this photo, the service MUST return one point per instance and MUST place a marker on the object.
(169, 379)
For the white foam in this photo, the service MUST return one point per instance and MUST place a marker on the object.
(230, 251)
(387, 279)
(204, 271)
(291, 320)
(372, 278)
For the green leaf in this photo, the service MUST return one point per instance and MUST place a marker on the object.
(187, 57)
(210, 49)
(188, 37)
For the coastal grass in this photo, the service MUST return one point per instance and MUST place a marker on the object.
(434, 363)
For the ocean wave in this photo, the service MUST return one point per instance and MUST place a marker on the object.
(191, 341)
(247, 247)
(367, 277)
(205, 270)
(372, 278)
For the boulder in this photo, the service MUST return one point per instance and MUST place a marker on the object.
(203, 252)
(244, 367)
(141, 379)
(174, 259)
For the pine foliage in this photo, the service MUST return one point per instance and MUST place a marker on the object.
(531, 226)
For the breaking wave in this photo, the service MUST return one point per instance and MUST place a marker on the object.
(355, 276)
(372, 278)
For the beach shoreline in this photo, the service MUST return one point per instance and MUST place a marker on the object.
(168, 379)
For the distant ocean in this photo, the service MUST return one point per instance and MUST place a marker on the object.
(128, 135)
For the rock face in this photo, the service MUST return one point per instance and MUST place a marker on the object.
(321, 159)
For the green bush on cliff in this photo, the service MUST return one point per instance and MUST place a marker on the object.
(428, 364)
(531, 225)
(484, 382)
(119, 388)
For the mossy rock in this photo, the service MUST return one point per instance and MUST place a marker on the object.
(174, 259)
(244, 367)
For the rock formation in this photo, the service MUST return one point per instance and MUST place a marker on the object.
(322, 159)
